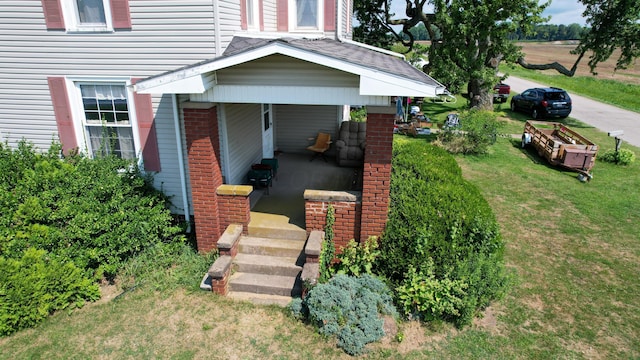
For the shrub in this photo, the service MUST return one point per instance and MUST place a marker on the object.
(435, 214)
(480, 129)
(328, 247)
(96, 213)
(357, 258)
(622, 157)
(429, 298)
(36, 285)
(349, 308)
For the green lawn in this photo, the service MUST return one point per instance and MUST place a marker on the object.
(573, 247)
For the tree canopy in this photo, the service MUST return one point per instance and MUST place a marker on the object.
(469, 38)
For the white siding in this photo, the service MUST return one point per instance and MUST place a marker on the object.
(270, 16)
(165, 35)
(244, 131)
(296, 124)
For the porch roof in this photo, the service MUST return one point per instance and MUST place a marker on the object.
(380, 72)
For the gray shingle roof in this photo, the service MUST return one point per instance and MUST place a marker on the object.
(354, 54)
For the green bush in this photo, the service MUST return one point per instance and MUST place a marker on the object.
(96, 213)
(357, 258)
(622, 157)
(479, 130)
(349, 308)
(435, 214)
(36, 285)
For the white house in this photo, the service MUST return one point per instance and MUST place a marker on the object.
(198, 90)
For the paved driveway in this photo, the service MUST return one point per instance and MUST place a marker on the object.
(602, 116)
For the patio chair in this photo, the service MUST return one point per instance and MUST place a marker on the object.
(323, 141)
(260, 175)
(273, 162)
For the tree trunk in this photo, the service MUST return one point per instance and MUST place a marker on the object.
(479, 95)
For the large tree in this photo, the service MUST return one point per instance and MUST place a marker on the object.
(469, 38)
(612, 24)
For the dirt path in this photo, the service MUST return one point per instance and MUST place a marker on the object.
(602, 116)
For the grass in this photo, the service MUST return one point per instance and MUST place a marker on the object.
(626, 96)
(573, 247)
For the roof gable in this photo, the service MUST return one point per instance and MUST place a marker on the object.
(381, 74)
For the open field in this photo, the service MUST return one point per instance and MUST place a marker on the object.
(547, 52)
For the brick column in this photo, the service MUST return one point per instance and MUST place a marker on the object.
(203, 150)
(347, 214)
(377, 171)
(234, 205)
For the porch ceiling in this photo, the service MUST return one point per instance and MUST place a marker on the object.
(369, 73)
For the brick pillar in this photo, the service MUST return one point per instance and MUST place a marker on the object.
(203, 150)
(235, 205)
(377, 171)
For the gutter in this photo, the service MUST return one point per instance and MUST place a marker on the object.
(183, 177)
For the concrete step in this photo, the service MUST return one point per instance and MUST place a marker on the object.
(265, 284)
(261, 299)
(274, 226)
(272, 247)
(265, 264)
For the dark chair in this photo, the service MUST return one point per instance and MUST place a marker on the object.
(260, 175)
(273, 162)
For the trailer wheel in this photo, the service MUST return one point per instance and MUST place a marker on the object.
(526, 140)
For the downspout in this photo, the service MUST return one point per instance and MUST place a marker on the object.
(183, 177)
(216, 28)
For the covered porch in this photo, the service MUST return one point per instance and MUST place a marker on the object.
(222, 140)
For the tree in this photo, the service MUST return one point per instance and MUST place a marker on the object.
(468, 38)
(612, 24)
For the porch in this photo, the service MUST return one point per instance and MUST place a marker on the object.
(285, 201)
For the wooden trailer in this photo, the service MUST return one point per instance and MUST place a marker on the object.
(561, 146)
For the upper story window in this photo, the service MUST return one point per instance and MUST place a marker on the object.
(91, 12)
(253, 14)
(306, 14)
(87, 15)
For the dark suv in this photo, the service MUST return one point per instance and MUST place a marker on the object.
(543, 102)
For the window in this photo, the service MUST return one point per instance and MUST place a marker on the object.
(106, 121)
(88, 15)
(253, 14)
(266, 116)
(306, 14)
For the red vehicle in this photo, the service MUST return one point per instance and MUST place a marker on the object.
(501, 92)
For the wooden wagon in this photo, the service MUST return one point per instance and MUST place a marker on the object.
(561, 146)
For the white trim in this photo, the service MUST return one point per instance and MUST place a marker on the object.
(293, 18)
(253, 8)
(77, 109)
(224, 141)
(192, 80)
(216, 27)
(72, 18)
(181, 170)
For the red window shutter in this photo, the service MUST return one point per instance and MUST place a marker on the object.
(283, 15)
(261, 15)
(53, 14)
(120, 15)
(62, 112)
(243, 14)
(329, 15)
(147, 131)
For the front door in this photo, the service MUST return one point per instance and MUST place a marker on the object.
(267, 132)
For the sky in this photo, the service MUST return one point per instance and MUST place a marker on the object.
(561, 11)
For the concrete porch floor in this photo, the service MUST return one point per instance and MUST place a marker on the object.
(284, 205)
